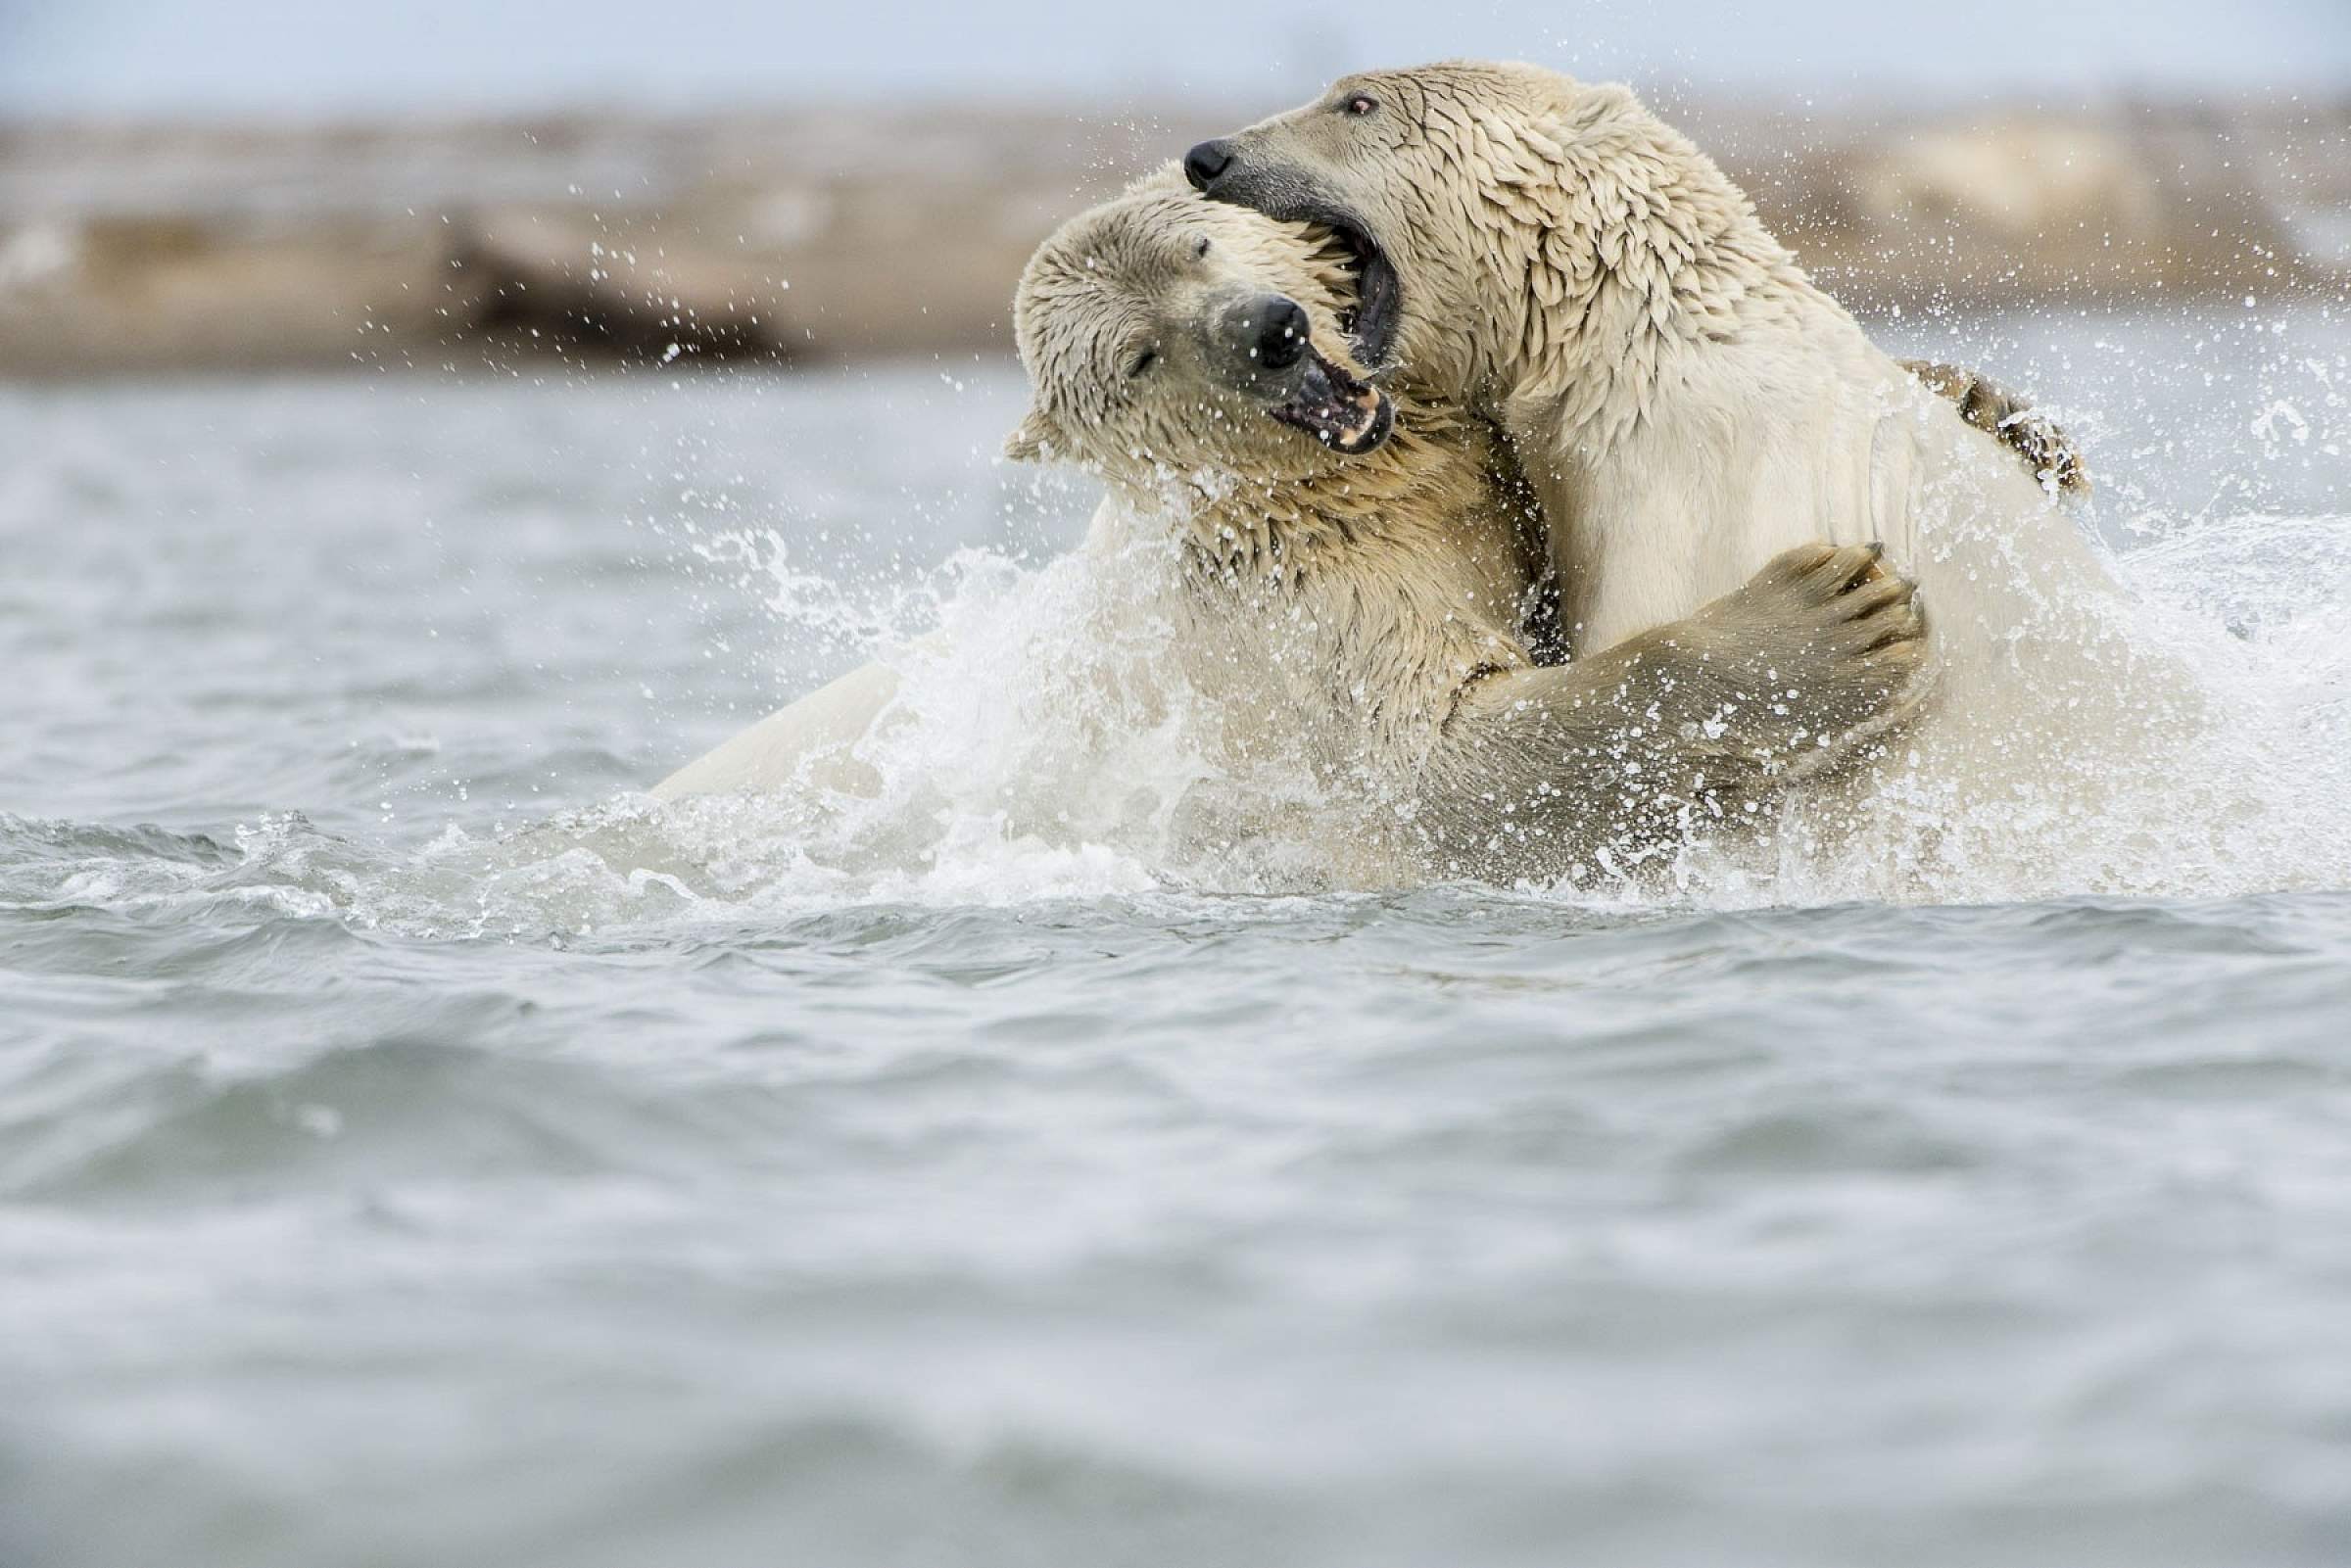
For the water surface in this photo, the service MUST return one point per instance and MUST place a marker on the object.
(416, 1149)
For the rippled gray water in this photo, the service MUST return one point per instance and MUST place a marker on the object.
(385, 1179)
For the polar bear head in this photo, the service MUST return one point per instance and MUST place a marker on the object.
(1171, 341)
(1485, 209)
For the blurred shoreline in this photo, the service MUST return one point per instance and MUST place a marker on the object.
(841, 233)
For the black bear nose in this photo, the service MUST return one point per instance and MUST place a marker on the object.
(1281, 335)
(1204, 162)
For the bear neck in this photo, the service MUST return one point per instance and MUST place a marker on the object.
(1621, 246)
(1414, 490)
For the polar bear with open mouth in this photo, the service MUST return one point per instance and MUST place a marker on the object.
(1548, 255)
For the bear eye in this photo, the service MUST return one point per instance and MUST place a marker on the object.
(1359, 106)
(1142, 362)
(1199, 247)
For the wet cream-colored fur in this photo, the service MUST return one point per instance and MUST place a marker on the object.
(1686, 403)
(1375, 618)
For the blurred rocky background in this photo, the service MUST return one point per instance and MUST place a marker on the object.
(250, 184)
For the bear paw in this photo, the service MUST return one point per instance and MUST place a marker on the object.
(1822, 647)
(1991, 407)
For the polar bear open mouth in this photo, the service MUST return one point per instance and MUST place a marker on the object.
(1370, 290)
(1347, 415)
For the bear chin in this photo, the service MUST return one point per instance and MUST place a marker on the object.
(1351, 417)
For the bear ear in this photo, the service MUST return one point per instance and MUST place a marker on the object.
(1027, 443)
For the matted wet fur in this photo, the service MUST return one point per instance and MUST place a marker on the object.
(1687, 403)
(1373, 611)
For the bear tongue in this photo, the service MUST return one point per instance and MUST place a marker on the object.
(1345, 414)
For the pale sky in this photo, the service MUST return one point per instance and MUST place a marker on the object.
(307, 57)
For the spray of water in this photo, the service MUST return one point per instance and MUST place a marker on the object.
(1043, 741)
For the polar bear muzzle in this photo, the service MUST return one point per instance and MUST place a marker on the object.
(1229, 169)
(1262, 347)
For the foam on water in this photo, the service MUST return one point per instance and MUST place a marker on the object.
(1041, 744)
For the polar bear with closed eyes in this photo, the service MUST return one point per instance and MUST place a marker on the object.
(1356, 588)
(1357, 584)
